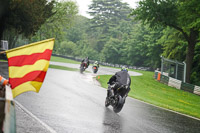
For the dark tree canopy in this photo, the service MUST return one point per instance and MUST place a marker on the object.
(106, 15)
(108, 12)
(182, 15)
(24, 16)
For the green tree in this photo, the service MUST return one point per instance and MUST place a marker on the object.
(79, 29)
(23, 16)
(67, 48)
(57, 25)
(174, 45)
(106, 11)
(106, 14)
(4, 13)
(143, 48)
(112, 51)
(195, 77)
(177, 14)
(124, 27)
(64, 14)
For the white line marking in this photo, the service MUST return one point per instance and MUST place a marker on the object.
(33, 116)
(165, 109)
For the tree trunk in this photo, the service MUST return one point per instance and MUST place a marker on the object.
(2, 28)
(189, 60)
(192, 40)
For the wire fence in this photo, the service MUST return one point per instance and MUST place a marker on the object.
(173, 68)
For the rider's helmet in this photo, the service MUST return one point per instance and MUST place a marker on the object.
(124, 68)
(96, 62)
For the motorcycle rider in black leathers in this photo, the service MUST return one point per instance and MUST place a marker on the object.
(86, 60)
(120, 78)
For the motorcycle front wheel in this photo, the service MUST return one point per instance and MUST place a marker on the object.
(81, 69)
(107, 102)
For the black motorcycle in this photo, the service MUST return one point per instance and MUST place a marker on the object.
(95, 69)
(83, 67)
(118, 100)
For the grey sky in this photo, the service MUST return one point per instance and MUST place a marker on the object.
(83, 5)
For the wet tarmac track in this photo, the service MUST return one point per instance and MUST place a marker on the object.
(70, 102)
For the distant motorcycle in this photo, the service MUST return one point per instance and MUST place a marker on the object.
(83, 67)
(117, 102)
(95, 69)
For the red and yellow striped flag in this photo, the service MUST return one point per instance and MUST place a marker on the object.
(28, 66)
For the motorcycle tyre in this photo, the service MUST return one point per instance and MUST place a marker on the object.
(95, 71)
(107, 102)
(117, 108)
(81, 70)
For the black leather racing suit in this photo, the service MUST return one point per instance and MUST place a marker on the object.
(120, 78)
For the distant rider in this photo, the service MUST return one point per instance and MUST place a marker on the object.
(120, 78)
(96, 64)
(86, 60)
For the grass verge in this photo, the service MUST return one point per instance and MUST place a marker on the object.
(3, 60)
(147, 89)
(60, 59)
(63, 68)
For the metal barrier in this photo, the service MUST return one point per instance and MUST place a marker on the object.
(7, 113)
(176, 83)
(164, 79)
(156, 75)
(197, 90)
(187, 87)
(2, 113)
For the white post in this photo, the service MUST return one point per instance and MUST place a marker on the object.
(161, 65)
(184, 77)
(176, 69)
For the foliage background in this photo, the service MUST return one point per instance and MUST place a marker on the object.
(112, 34)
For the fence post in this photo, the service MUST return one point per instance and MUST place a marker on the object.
(184, 77)
(161, 65)
(176, 69)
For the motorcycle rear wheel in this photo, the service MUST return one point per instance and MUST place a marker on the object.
(95, 71)
(120, 103)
